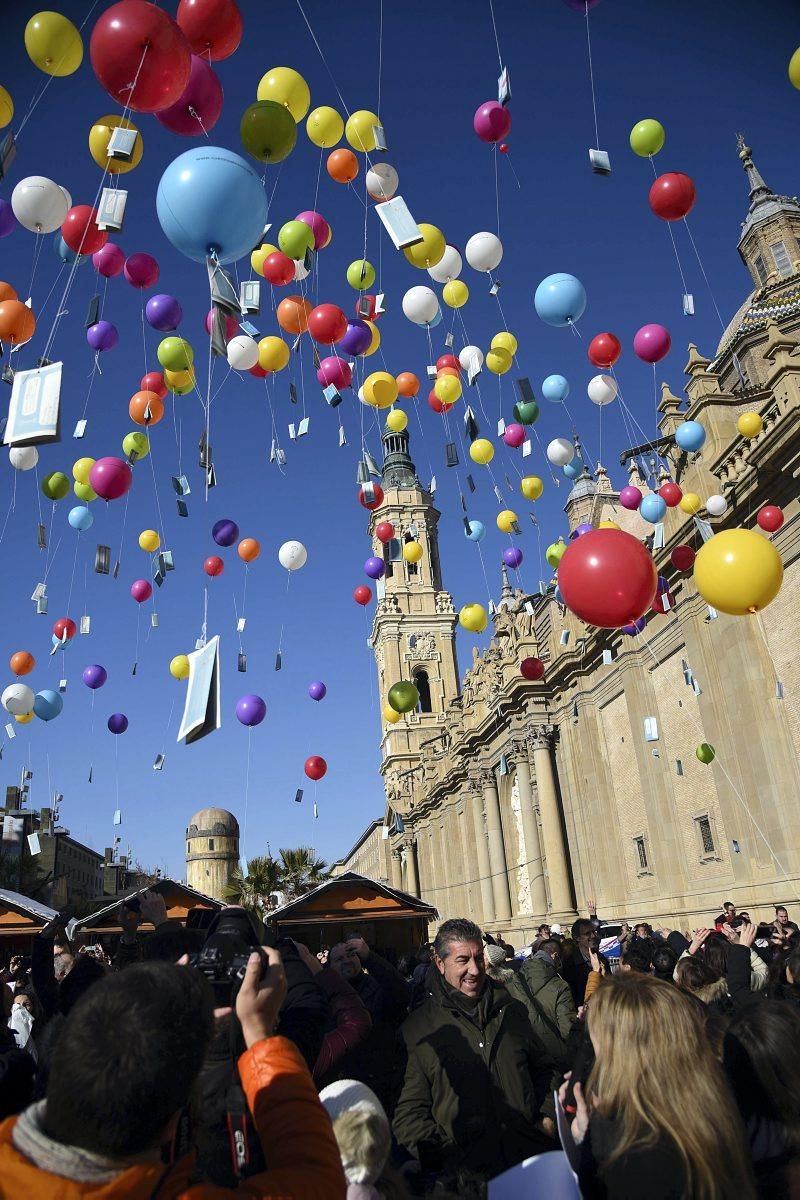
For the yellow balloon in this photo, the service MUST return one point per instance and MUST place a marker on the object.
(376, 339)
(84, 492)
(324, 127)
(690, 503)
(531, 487)
(6, 108)
(481, 451)
(99, 137)
(53, 43)
(397, 420)
(750, 424)
(260, 256)
(794, 69)
(285, 86)
(380, 389)
(498, 361)
(505, 341)
(473, 617)
(429, 251)
(358, 130)
(180, 382)
(738, 572)
(179, 667)
(23, 718)
(448, 389)
(412, 552)
(273, 353)
(149, 540)
(81, 469)
(506, 520)
(609, 525)
(455, 293)
(390, 715)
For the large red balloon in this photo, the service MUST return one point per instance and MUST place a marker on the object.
(375, 502)
(315, 767)
(672, 196)
(607, 578)
(213, 28)
(604, 350)
(137, 41)
(278, 268)
(670, 493)
(448, 360)
(327, 323)
(532, 668)
(770, 518)
(682, 558)
(362, 595)
(65, 629)
(213, 565)
(153, 381)
(80, 231)
(384, 531)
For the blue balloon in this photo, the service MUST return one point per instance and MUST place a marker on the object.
(80, 518)
(560, 299)
(572, 470)
(555, 389)
(690, 436)
(210, 199)
(66, 255)
(477, 531)
(437, 320)
(653, 508)
(47, 704)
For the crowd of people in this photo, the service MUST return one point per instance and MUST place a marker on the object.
(203, 1062)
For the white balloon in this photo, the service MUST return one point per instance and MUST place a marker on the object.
(382, 181)
(17, 699)
(420, 305)
(471, 357)
(602, 389)
(301, 271)
(242, 352)
(448, 267)
(292, 555)
(484, 251)
(560, 452)
(716, 506)
(23, 458)
(39, 204)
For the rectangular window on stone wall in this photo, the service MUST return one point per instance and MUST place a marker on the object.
(761, 268)
(705, 834)
(782, 260)
(640, 846)
(650, 729)
(211, 843)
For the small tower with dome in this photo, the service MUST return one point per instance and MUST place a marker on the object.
(212, 851)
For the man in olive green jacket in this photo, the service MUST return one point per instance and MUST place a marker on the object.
(553, 1008)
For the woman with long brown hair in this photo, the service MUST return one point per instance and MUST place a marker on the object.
(657, 1118)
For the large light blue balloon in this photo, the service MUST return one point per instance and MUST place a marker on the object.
(437, 320)
(560, 299)
(47, 704)
(555, 389)
(572, 470)
(211, 200)
(690, 436)
(477, 531)
(653, 508)
(65, 254)
(80, 518)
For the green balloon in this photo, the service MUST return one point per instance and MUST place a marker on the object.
(295, 238)
(55, 485)
(705, 753)
(268, 131)
(403, 697)
(526, 412)
(361, 274)
(135, 443)
(84, 492)
(175, 354)
(647, 138)
(554, 553)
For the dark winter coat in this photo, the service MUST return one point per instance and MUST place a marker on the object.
(553, 1006)
(648, 1173)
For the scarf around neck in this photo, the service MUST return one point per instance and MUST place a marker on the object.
(72, 1162)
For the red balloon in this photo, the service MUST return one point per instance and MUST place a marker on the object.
(80, 230)
(663, 603)
(213, 565)
(153, 381)
(435, 403)
(64, 626)
(448, 360)
(213, 28)
(532, 668)
(259, 371)
(504, 148)
(682, 558)
(371, 315)
(362, 594)
(327, 323)
(375, 502)
(607, 578)
(670, 493)
(770, 518)
(604, 350)
(134, 40)
(672, 196)
(315, 767)
(384, 531)
(278, 268)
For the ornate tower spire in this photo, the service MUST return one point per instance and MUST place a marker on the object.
(770, 233)
(398, 469)
(758, 189)
(506, 592)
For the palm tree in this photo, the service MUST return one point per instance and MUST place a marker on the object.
(253, 890)
(301, 870)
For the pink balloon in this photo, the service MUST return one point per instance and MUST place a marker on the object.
(318, 226)
(110, 478)
(109, 260)
(652, 343)
(336, 371)
(199, 107)
(231, 325)
(630, 497)
(141, 271)
(492, 122)
(514, 435)
(141, 590)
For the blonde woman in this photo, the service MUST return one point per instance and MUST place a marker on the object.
(656, 1118)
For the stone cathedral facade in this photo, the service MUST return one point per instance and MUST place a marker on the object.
(517, 801)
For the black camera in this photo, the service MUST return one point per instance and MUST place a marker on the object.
(232, 938)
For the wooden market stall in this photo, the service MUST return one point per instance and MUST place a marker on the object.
(179, 899)
(20, 920)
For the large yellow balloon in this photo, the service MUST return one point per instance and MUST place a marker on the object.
(481, 451)
(505, 341)
(81, 468)
(738, 572)
(455, 293)
(53, 43)
(794, 69)
(84, 491)
(100, 136)
(473, 617)
(498, 360)
(412, 552)
(750, 424)
(390, 715)
(273, 354)
(179, 667)
(429, 251)
(531, 487)
(285, 86)
(324, 127)
(6, 108)
(397, 420)
(358, 130)
(448, 389)
(23, 718)
(149, 540)
(380, 389)
(506, 520)
(690, 503)
(609, 525)
(180, 382)
(260, 256)
(376, 339)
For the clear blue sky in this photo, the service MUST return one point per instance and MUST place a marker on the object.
(705, 71)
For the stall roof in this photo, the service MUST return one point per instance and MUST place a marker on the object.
(352, 897)
(20, 914)
(178, 897)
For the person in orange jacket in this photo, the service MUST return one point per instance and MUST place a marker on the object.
(119, 1089)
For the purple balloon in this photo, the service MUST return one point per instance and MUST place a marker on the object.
(652, 343)
(8, 222)
(357, 338)
(102, 336)
(512, 557)
(200, 104)
(251, 710)
(635, 626)
(117, 723)
(375, 568)
(662, 586)
(580, 530)
(630, 497)
(225, 532)
(491, 122)
(141, 590)
(110, 478)
(141, 270)
(109, 260)
(94, 676)
(163, 313)
(317, 690)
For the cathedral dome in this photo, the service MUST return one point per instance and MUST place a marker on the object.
(213, 820)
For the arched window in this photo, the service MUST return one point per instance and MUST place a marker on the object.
(391, 554)
(422, 684)
(411, 567)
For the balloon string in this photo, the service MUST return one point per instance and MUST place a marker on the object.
(74, 564)
(11, 506)
(380, 56)
(36, 99)
(496, 196)
(702, 268)
(161, 528)
(246, 792)
(37, 250)
(285, 601)
(322, 56)
(591, 78)
(144, 338)
(124, 523)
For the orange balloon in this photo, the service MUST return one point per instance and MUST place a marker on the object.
(249, 549)
(7, 292)
(17, 322)
(22, 663)
(144, 403)
(407, 384)
(293, 313)
(448, 371)
(342, 165)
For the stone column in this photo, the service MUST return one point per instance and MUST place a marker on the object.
(497, 852)
(533, 850)
(397, 871)
(445, 905)
(562, 907)
(484, 870)
(412, 875)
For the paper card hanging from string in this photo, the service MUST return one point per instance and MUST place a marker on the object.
(34, 847)
(302, 428)
(201, 712)
(278, 661)
(250, 298)
(451, 454)
(448, 341)
(292, 393)
(342, 436)
(102, 559)
(241, 664)
(111, 209)
(527, 448)
(39, 591)
(8, 152)
(292, 433)
(688, 304)
(503, 86)
(118, 816)
(316, 811)
(86, 624)
(80, 428)
(432, 485)
(160, 759)
(41, 606)
(332, 395)
(240, 624)
(34, 408)
(373, 467)
(501, 427)
(93, 312)
(10, 731)
(471, 483)
(600, 162)
(399, 223)
(181, 485)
